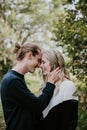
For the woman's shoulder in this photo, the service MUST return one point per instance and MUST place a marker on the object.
(68, 89)
(67, 82)
(67, 85)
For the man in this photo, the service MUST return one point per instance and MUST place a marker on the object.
(22, 108)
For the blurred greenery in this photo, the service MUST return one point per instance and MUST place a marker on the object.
(71, 33)
(50, 24)
(2, 123)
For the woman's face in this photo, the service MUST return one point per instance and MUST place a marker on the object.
(45, 65)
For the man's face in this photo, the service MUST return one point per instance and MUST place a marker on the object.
(34, 62)
(45, 66)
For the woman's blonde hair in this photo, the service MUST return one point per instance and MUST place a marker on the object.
(56, 60)
(21, 50)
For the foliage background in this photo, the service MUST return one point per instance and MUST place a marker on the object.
(60, 24)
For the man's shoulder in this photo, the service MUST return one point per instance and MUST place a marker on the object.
(8, 77)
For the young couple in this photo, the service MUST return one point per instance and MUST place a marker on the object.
(56, 108)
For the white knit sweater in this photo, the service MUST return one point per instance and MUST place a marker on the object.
(64, 91)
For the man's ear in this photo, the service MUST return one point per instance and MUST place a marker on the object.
(29, 54)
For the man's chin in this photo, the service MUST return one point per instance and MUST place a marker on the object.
(32, 71)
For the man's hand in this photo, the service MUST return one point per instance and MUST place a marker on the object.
(53, 76)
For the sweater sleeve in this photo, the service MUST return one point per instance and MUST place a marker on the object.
(21, 95)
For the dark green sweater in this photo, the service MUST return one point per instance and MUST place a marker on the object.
(22, 109)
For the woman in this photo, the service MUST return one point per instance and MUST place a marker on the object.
(62, 110)
(21, 107)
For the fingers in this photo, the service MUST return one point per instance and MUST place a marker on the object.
(57, 70)
(53, 76)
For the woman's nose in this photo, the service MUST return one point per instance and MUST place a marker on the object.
(40, 65)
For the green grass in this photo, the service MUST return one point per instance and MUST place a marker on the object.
(2, 123)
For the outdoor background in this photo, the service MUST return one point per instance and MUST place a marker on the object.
(60, 24)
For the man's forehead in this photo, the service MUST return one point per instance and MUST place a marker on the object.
(40, 54)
